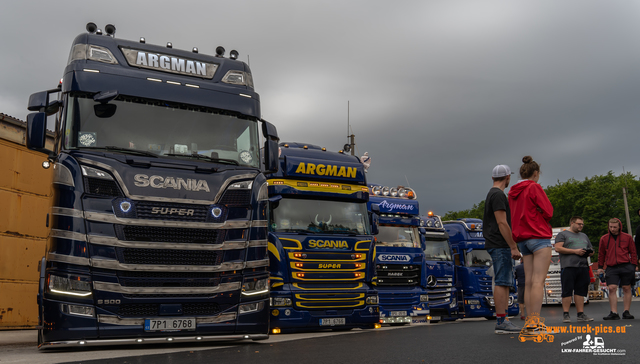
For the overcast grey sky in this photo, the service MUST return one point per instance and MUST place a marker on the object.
(439, 91)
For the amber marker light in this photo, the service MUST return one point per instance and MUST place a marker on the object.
(299, 265)
(430, 213)
(377, 325)
(275, 330)
(300, 275)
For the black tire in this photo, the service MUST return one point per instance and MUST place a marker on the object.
(40, 337)
(343, 329)
(490, 318)
(434, 321)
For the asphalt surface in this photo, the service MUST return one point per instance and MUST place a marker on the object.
(460, 341)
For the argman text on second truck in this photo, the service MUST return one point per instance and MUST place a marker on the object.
(320, 242)
(159, 230)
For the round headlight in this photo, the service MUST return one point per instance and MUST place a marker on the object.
(385, 191)
(402, 192)
(429, 223)
(376, 190)
(393, 191)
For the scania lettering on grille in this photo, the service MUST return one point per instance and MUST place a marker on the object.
(142, 180)
(169, 63)
(171, 211)
(393, 258)
(328, 244)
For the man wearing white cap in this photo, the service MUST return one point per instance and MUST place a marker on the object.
(499, 242)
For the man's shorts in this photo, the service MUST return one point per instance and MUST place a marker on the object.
(575, 280)
(622, 274)
(502, 266)
(529, 246)
(521, 290)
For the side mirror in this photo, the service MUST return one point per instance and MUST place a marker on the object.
(37, 131)
(271, 148)
(374, 222)
(375, 208)
(38, 101)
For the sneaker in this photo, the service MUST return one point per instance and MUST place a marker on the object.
(507, 327)
(612, 316)
(584, 318)
(566, 318)
(627, 315)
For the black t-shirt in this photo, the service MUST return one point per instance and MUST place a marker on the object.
(496, 201)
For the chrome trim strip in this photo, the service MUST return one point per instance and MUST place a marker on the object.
(165, 199)
(112, 219)
(257, 263)
(114, 264)
(258, 243)
(63, 211)
(68, 259)
(66, 234)
(259, 223)
(117, 288)
(113, 241)
(150, 340)
(115, 320)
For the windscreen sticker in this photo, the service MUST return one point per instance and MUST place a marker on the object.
(87, 139)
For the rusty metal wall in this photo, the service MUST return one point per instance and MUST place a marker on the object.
(25, 200)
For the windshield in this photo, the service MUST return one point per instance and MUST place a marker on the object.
(437, 250)
(159, 128)
(478, 258)
(317, 216)
(398, 236)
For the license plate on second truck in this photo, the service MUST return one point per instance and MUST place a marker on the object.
(338, 321)
(170, 324)
(397, 313)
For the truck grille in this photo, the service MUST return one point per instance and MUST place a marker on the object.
(191, 213)
(166, 279)
(102, 187)
(174, 235)
(236, 198)
(168, 256)
(152, 309)
(398, 274)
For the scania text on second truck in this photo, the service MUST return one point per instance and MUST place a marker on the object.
(158, 227)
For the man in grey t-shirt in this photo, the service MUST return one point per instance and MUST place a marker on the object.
(574, 249)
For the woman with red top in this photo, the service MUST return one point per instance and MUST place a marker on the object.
(530, 215)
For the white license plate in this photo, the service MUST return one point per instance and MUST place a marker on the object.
(397, 313)
(170, 324)
(436, 318)
(338, 321)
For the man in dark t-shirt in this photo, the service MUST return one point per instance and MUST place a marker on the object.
(496, 229)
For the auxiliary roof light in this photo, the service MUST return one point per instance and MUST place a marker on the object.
(385, 191)
(393, 191)
(233, 54)
(91, 27)
(376, 190)
(219, 51)
(195, 50)
(402, 192)
(430, 213)
(169, 45)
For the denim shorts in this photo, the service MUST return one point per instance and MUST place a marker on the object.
(529, 246)
(502, 266)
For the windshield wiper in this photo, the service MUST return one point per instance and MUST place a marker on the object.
(125, 150)
(200, 156)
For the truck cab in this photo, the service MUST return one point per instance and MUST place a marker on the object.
(443, 304)
(400, 265)
(158, 226)
(474, 270)
(320, 242)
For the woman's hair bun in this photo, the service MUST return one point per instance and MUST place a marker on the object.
(527, 159)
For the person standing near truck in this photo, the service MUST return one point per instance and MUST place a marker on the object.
(574, 248)
(500, 245)
(530, 214)
(619, 257)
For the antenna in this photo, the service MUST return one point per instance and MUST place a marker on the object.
(626, 206)
(405, 177)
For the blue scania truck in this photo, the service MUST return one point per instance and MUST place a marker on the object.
(320, 242)
(400, 265)
(474, 270)
(443, 303)
(158, 226)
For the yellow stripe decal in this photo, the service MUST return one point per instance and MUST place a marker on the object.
(294, 240)
(359, 303)
(272, 248)
(343, 188)
(299, 296)
(325, 289)
(360, 242)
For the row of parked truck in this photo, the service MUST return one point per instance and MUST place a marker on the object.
(179, 216)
